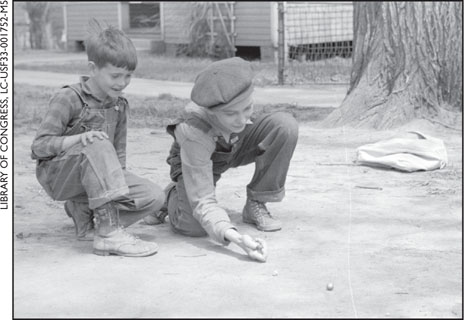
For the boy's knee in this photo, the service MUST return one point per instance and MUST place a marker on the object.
(181, 221)
(286, 124)
(186, 227)
(195, 231)
(102, 147)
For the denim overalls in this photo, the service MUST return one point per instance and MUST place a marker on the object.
(93, 174)
(221, 157)
(97, 119)
(269, 142)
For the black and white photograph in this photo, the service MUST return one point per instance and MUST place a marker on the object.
(237, 159)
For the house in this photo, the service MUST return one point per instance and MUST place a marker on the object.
(250, 28)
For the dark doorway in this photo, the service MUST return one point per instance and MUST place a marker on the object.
(248, 53)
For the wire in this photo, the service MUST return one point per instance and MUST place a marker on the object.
(349, 226)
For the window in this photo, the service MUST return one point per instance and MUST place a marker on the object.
(144, 15)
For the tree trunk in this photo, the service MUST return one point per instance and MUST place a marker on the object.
(407, 64)
(40, 28)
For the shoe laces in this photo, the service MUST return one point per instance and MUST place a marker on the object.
(259, 208)
(127, 234)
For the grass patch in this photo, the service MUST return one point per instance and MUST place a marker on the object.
(31, 104)
(154, 112)
(185, 69)
(301, 114)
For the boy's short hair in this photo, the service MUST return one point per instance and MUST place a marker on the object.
(110, 45)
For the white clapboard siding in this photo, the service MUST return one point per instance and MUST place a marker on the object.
(176, 16)
(253, 23)
(79, 13)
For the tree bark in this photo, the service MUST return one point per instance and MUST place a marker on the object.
(407, 64)
(40, 28)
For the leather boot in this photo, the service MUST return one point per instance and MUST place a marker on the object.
(83, 219)
(111, 238)
(256, 213)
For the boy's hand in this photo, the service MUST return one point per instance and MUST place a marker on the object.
(255, 248)
(88, 136)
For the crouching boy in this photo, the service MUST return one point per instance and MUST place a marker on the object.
(217, 132)
(80, 149)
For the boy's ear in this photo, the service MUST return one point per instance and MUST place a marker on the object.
(92, 67)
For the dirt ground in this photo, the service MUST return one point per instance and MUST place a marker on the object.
(390, 242)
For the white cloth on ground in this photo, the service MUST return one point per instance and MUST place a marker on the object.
(408, 152)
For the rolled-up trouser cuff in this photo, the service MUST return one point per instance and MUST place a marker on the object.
(266, 196)
(108, 196)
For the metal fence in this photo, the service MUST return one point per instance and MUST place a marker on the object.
(318, 41)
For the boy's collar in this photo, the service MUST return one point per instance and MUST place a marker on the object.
(87, 89)
(216, 129)
(219, 131)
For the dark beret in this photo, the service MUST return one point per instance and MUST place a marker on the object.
(221, 82)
